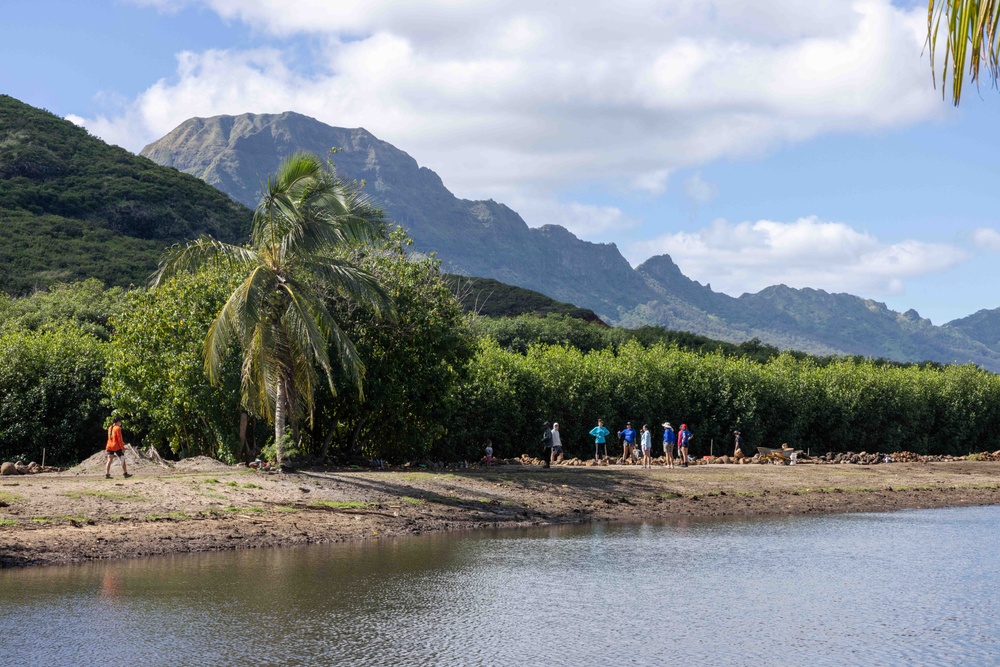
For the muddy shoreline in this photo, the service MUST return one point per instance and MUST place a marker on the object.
(76, 516)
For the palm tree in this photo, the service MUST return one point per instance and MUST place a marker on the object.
(277, 314)
(970, 40)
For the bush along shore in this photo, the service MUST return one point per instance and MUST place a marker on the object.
(200, 504)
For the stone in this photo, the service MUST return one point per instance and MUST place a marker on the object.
(7, 468)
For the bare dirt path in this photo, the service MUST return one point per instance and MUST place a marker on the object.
(78, 515)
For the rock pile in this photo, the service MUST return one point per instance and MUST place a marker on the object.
(866, 458)
(19, 468)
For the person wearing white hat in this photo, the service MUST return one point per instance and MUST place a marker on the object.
(669, 440)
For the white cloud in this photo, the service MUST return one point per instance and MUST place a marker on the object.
(700, 191)
(519, 98)
(749, 256)
(985, 238)
(584, 220)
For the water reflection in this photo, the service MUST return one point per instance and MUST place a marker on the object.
(905, 588)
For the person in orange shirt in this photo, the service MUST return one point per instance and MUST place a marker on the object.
(115, 447)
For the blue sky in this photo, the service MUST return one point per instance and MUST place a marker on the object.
(788, 142)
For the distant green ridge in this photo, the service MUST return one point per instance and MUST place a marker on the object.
(73, 207)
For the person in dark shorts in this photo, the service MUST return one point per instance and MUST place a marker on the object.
(115, 447)
(557, 449)
(547, 443)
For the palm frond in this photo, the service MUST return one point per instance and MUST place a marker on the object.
(243, 311)
(971, 41)
(356, 284)
(200, 253)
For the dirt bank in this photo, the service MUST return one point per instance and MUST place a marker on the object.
(78, 515)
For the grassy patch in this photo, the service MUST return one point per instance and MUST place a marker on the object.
(285, 508)
(41, 520)
(417, 476)
(670, 496)
(243, 510)
(215, 495)
(70, 517)
(8, 497)
(413, 501)
(232, 484)
(836, 489)
(251, 485)
(211, 480)
(9, 522)
(340, 504)
(168, 515)
(107, 495)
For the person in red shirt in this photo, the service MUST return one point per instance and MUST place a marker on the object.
(115, 447)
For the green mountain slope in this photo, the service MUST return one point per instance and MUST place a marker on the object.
(982, 326)
(73, 207)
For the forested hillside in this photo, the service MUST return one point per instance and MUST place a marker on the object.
(73, 207)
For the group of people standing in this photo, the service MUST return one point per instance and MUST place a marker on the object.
(671, 439)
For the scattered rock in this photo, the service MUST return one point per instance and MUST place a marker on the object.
(7, 468)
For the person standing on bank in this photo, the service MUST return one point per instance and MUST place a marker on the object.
(599, 433)
(647, 447)
(669, 440)
(557, 450)
(628, 441)
(115, 447)
(547, 443)
(684, 442)
(738, 449)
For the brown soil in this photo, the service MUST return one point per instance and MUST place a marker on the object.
(204, 505)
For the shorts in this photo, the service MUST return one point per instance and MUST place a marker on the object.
(668, 448)
(556, 451)
(647, 450)
(116, 452)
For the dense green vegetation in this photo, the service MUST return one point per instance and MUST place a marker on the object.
(492, 298)
(156, 372)
(438, 384)
(73, 207)
(844, 405)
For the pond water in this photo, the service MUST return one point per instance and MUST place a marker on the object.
(907, 588)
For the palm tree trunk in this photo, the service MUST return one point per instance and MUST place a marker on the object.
(279, 421)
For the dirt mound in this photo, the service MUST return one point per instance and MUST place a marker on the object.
(201, 464)
(95, 464)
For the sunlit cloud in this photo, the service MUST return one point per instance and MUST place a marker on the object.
(749, 256)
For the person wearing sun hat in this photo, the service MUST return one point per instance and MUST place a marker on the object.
(684, 442)
(669, 441)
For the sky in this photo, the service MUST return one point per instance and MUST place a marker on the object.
(796, 142)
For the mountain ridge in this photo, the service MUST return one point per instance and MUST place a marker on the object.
(488, 239)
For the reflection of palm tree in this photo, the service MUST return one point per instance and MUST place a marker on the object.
(969, 39)
(277, 314)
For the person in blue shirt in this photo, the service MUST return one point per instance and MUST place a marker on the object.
(683, 442)
(669, 440)
(627, 435)
(599, 433)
